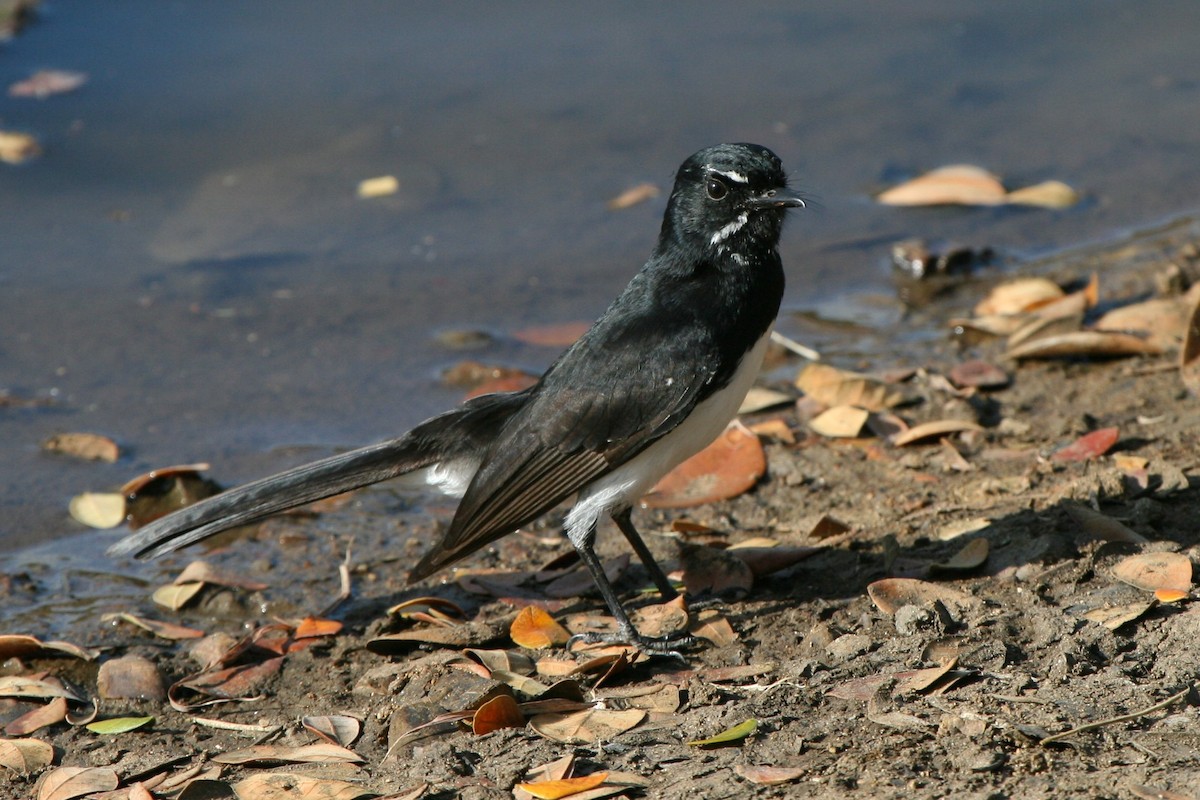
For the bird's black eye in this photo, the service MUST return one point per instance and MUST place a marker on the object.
(716, 189)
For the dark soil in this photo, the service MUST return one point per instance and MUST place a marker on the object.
(1029, 664)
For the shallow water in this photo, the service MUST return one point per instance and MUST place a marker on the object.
(187, 268)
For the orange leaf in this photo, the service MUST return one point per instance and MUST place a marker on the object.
(1091, 445)
(560, 335)
(726, 468)
(310, 627)
(536, 629)
(500, 712)
(1156, 571)
(565, 787)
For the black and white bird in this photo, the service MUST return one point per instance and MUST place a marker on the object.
(655, 380)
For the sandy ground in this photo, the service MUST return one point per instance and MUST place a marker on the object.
(825, 672)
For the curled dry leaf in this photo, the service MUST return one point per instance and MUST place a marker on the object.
(1089, 446)
(88, 446)
(726, 468)
(337, 729)
(1162, 321)
(25, 756)
(17, 148)
(381, 186)
(65, 783)
(769, 776)
(101, 510)
(840, 422)
(1084, 344)
(735, 735)
(1154, 571)
(934, 430)
(23, 646)
(281, 785)
(633, 195)
(563, 787)
(322, 753)
(1015, 297)
(417, 604)
(835, 387)
(588, 726)
(1189, 356)
(164, 630)
(176, 596)
(537, 630)
(760, 399)
(890, 594)
(52, 713)
(507, 660)
(205, 573)
(1098, 526)
(21, 686)
(1113, 617)
(972, 556)
(1047, 194)
(500, 712)
(956, 184)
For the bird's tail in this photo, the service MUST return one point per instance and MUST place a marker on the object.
(261, 498)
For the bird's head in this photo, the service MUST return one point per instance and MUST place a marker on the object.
(728, 199)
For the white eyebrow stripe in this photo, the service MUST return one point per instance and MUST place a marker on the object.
(736, 177)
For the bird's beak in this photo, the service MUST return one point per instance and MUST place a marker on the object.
(776, 198)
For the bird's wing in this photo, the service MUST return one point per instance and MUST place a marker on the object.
(578, 426)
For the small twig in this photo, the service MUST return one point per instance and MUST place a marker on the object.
(346, 586)
(1014, 698)
(238, 727)
(1122, 718)
(795, 347)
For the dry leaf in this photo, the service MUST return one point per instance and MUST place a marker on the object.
(563, 787)
(1098, 526)
(337, 729)
(1048, 194)
(535, 629)
(1080, 344)
(934, 430)
(1162, 320)
(827, 527)
(1113, 617)
(130, 677)
(633, 195)
(734, 735)
(287, 785)
(1088, 446)
(978, 374)
(840, 422)
(707, 569)
(712, 626)
(835, 387)
(769, 776)
(1189, 356)
(662, 619)
(381, 186)
(1154, 571)
(204, 572)
(176, 596)
(65, 783)
(766, 560)
(1015, 297)
(956, 184)
(972, 556)
(89, 446)
(760, 399)
(101, 510)
(1170, 595)
(588, 726)
(52, 713)
(164, 630)
(21, 686)
(46, 82)
(24, 756)
(726, 468)
(322, 753)
(890, 594)
(17, 148)
(563, 334)
(22, 646)
(501, 711)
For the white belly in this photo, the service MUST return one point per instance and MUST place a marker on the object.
(627, 483)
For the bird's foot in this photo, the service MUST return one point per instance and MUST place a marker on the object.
(665, 646)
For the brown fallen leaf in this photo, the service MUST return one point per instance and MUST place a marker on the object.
(65, 783)
(979, 375)
(205, 573)
(101, 510)
(1154, 571)
(890, 594)
(500, 712)
(840, 422)
(23, 646)
(1162, 320)
(633, 195)
(1113, 617)
(662, 619)
(52, 713)
(1189, 355)
(507, 660)
(286, 785)
(934, 430)
(835, 387)
(827, 527)
(769, 776)
(563, 787)
(176, 596)
(1047, 194)
(956, 184)
(416, 604)
(130, 677)
(1015, 297)
(25, 756)
(713, 627)
(159, 492)
(338, 729)
(164, 630)
(760, 398)
(767, 560)
(1089, 446)
(38, 688)
(707, 569)
(537, 630)
(588, 726)
(88, 446)
(323, 753)
(1084, 344)
(972, 556)
(1098, 526)
(564, 334)
(731, 465)
(47, 82)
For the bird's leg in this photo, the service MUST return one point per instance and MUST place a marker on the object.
(626, 633)
(624, 521)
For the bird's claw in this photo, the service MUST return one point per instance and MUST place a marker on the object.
(663, 646)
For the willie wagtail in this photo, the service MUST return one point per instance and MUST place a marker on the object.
(655, 380)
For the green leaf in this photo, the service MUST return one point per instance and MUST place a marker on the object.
(118, 724)
(731, 736)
